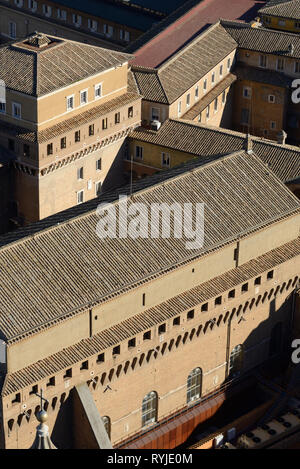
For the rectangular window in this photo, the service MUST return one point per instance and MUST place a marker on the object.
(127, 36)
(245, 116)
(80, 173)
(92, 25)
(197, 92)
(68, 373)
(297, 67)
(231, 294)
(270, 275)
(26, 150)
(77, 20)
(280, 64)
(63, 143)
(32, 5)
(273, 125)
(70, 103)
(50, 149)
(61, 14)
(131, 343)
(221, 70)
(205, 85)
(155, 114)
(130, 112)
(228, 64)
(218, 301)
(51, 382)
(263, 61)
(188, 100)
(162, 329)
(98, 165)
(98, 91)
(147, 335)
(257, 281)
(297, 24)
(104, 124)
(83, 97)
(245, 287)
(139, 151)
(47, 10)
(80, 197)
(216, 105)
(208, 111)
(281, 23)
(247, 92)
(116, 350)
(12, 30)
(176, 321)
(165, 160)
(91, 130)
(98, 188)
(224, 97)
(117, 118)
(16, 110)
(2, 107)
(77, 136)
(101, 358)
(267, 20)
(213, 76)
(179, 108)
(190, 315)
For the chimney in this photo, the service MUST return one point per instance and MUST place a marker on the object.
(248, 144)
(281, 137)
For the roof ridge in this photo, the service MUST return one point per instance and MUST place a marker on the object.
(248, 26)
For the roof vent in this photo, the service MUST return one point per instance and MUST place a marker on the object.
(155, 125)
(38, 40)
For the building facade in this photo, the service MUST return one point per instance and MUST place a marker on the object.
(65, 126)
(283, 15)
(214, 309)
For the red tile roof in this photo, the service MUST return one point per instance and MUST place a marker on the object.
(207, 12)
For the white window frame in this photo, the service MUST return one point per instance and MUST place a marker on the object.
(79, 170)
(77, 196)
(221, 70)
(19, 107)
(197, 92)
(205, 86)
(280, 61)
(47, 10)
(86, 91)
(270, 98)
(216, 105)
(32, 5)
(68, 98)
(98, 87)
(92, 25)
(96, 184)
(213, 77)
(77, 20)
(19, 3)
(61, 14)
(188, 100)
(263, 61)
(179, 108)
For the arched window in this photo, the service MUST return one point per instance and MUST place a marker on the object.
(149, 408)
(236, 361)
(106, 423)
(276, 339)
(194, 385)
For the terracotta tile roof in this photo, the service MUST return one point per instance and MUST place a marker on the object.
(203, 140)
(147, 319)
(263, 40)
(270, 77)
(210, 97)
(184, 69)
(282, 8)
(38, 71)
(241, 197)
(168, 36)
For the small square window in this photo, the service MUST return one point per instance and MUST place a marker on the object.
(231, 294)
(257, 281)
(218, 301)
(147, 335)
(131, 343)
(204, 307)
(34, 389)
(84, 365)
(68, 373)
(190, 315)
(244, 287)
(270, 275)
(176, 321)
(116, 350)
(51, 381)
(117, 118)
(101, 358)
(162, 328)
